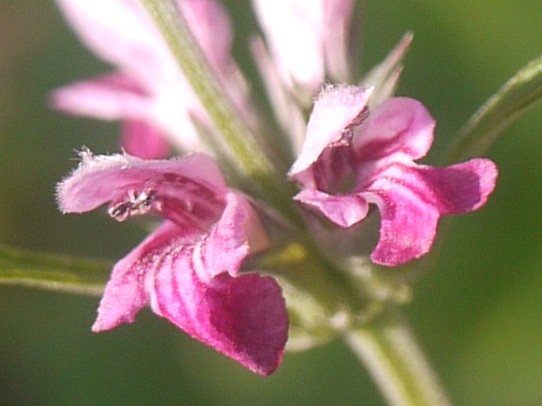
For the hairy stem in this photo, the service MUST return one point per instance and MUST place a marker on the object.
(245, 152)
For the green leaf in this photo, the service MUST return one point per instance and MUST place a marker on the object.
(514, 98)
(53, 272)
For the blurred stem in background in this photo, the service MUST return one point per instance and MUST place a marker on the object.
(389, 350)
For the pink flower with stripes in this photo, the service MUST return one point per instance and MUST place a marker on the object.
(188, 269)
(354, 156)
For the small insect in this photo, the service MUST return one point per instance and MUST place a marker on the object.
(133, 204)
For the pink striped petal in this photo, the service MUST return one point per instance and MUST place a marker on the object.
(411, 200)
(243, 317)
(125, 293)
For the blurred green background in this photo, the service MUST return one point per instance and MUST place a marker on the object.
(478, 312)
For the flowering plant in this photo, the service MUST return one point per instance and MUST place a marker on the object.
(280, 236)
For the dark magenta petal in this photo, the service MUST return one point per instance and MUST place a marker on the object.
(412, 198)
(259, 320)
(407, 229)
(243, 317)
(460, 188)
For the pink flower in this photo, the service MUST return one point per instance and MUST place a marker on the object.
(353, 157)
(147, 86)
(308, 39)
(188, 268)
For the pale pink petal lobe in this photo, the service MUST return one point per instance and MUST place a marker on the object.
(100, 179)
(398, 126)
(109, 97)
(343, 210)
(143, 140)
(336, 110)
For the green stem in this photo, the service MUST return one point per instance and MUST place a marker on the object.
(243, 146)
(388, 349)
(53, 272)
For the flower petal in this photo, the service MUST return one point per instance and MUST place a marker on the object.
(294, 32)
(142, 140)
(336, 36)
(237, 233)
(243, 317)
(399, 126)
(287, 111)
(125, 292)
(185, 190)
(121, 33)
(309, 41)
(460, 188)
(353, 157)
(110, 97)
(116, 96)
(343, 210)
(407, 229)
(336, 110)
(412, 198)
